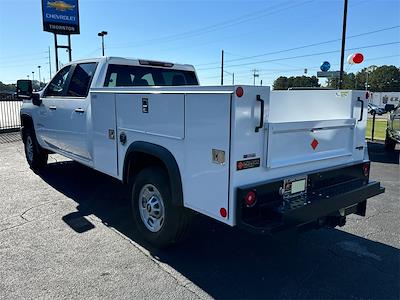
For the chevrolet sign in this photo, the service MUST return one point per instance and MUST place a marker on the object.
(61, 16)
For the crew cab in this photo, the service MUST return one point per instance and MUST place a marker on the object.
(243, 155)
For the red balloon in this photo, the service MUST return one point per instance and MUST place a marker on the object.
(358, 58)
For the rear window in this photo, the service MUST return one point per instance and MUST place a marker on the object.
(122, 75)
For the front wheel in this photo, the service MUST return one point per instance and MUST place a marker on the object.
(35, 155)
(157, 219)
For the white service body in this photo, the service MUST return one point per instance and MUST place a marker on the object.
(192, 121)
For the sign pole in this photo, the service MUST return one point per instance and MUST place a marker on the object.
(69, 48)
(56, 50)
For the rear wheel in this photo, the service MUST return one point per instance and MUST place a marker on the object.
(35, 155)
(390, 144)
(157, 219)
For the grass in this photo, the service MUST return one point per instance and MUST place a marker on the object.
(380, 129)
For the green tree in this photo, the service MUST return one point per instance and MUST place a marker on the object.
(384, 79)
(380, 79)
(349, 82)
(283, 83)
(7, 88)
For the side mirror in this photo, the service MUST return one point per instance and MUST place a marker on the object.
(36, 99)
(24, 89)
(389, 107)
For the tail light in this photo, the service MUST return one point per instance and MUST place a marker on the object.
(250, 199)
(239, 91)
(366, 167)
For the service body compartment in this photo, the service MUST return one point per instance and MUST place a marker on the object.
(303, 131)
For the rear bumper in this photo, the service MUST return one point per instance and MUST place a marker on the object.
(328, 207)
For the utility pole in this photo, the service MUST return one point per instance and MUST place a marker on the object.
(343, 44)
(222, 67)
(49, 64)
(233, 78)
(255, 74)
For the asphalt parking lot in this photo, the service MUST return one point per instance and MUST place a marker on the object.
(67, 234)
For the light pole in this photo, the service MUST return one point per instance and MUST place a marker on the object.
(39, 76)
(33, 76)
(102, 34)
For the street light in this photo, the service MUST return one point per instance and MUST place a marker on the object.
(33, 76)
(39, 76)
(102, 34)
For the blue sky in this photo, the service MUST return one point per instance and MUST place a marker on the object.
(194, 32)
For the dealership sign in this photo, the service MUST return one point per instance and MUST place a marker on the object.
(61, 16)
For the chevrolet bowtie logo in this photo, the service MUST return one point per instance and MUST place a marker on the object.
(60, 5)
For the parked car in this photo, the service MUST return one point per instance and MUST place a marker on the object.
(393, 129)
(374, 109)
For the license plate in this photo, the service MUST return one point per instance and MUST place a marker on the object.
(293, 187)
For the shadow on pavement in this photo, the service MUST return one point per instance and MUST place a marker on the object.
(378, 153)
(228, 263)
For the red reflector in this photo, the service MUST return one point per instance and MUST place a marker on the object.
(366, 169)
(223, 212)
(239, 91)
(250, 198)
(314, 144)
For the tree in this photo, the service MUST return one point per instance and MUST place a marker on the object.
(7, 88)
(384, 79)
(283, 83)
(380, 79)
(349, 82)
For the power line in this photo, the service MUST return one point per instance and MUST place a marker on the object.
(303, 47)
(301, 56)
(23, 55)
(222, 25)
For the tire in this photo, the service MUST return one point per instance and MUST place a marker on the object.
(389, 143)
(35, 155)
(158, 221)
(372, 112)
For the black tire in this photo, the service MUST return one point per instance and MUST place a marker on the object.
(35, 155)
(389, 143)
(175, 219)
(372, 112)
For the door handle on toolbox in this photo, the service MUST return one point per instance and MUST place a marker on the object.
(52, 107)
(362, 109)
(261, 114)
(79, 110)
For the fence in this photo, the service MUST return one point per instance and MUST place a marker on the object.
(9, 113)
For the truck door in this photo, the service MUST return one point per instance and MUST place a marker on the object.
(72, 112)
(46, 119)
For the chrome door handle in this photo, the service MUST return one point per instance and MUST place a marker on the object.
(52, 107)
(79, 110)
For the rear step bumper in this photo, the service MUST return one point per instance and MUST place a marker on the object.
(328, 208)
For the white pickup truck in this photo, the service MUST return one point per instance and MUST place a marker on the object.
(267, 161)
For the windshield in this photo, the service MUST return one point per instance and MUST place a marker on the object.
(123, 75)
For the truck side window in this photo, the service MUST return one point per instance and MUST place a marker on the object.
(58, 85)
(123, 75)
(81, 79)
